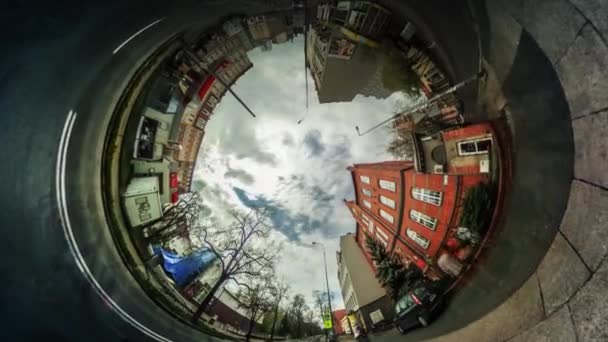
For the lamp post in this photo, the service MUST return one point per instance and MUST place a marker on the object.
(327, 284)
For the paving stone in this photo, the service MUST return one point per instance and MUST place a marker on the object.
(554, 25)
(583, 73)
(520, 312)
(585, 223)
(514, 7)
(561, 274)
(556, 328)
(595, 11)
(591, 148)
(589, 308)
(505, 35)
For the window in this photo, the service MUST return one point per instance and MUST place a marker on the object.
(365, 219)
(367, 204)
(387, 216)
(366, 192)
(425, 220)
(418, 239)
(479, 146)
(382, 241)
(381, 235)
(364, 179)
(428, 196)
(387, 202)
(387, 185)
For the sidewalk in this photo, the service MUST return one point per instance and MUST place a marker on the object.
(135, 253)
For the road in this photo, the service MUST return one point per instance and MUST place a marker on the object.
(62, 277)
(60, 58)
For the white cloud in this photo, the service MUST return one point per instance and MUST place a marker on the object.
(272, 149)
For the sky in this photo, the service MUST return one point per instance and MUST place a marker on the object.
(297, 170)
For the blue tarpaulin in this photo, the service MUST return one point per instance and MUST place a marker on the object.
(183, 269)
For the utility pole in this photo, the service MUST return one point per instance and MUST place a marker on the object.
(427, 103)
(193, 55)
(327, 284)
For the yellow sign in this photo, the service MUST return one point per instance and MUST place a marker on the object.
(327, 321)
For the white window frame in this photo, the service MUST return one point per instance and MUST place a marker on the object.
(418, 239)
(424, 219)
(428, 196)
(475, 141)
(389, 202)
(364, 179)
(388, 217)
(367, 203)
(366, 192)
(382, 233)
(387, 185)
(365, 219)
(382, 237)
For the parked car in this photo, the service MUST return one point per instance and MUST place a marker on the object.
(418, 307)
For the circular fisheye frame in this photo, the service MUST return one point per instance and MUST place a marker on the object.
(306, 170)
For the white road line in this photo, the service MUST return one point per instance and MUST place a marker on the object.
(136, 34)
(69, 234)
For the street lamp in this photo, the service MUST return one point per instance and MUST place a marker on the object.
(314, 243)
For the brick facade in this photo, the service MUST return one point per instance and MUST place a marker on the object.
(413, 213)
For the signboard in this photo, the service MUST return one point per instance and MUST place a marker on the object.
(341, 48)
(142, 201)
(327, 321)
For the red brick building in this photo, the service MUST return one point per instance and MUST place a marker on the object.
(338, 316)
(414, 211)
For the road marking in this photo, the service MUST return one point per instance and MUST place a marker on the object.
(64, 142)
(136, 34)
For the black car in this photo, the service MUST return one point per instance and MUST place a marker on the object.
(418, 307)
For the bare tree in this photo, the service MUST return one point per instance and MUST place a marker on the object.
(279, 292)
(320, 298)
(236, 249)
(177, 218)
(255, 297)
(402, 145)
(298, 312)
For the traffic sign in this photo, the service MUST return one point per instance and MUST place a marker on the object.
(327, 321)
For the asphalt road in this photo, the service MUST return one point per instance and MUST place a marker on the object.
(60, 57)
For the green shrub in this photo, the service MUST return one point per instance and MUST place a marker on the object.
(478, 208)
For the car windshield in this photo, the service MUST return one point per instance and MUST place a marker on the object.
(420, 293)
(404, 303)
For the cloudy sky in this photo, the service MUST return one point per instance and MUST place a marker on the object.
(298, 170)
